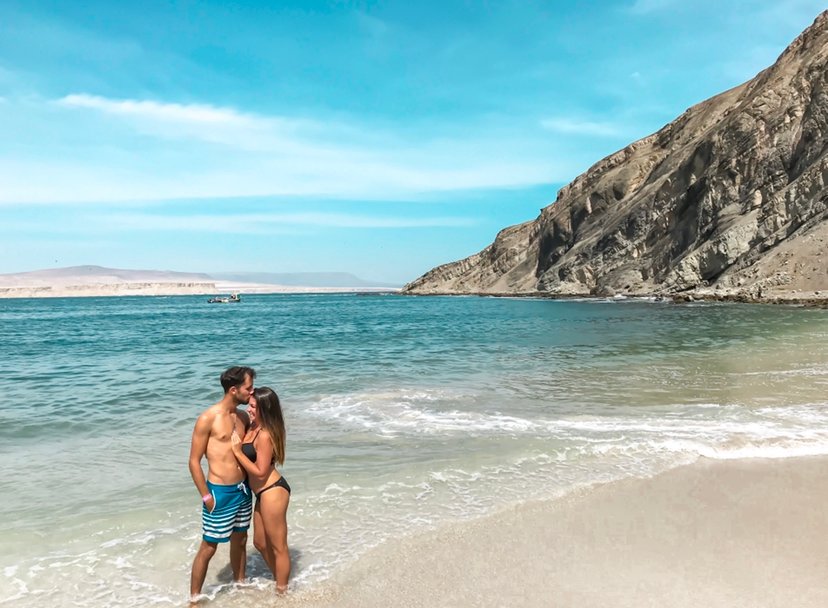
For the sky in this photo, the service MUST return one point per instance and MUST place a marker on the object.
(377, 138)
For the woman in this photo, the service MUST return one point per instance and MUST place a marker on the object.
(262, 448)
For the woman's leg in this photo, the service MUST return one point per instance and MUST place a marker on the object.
(260, 538)
(274, 505)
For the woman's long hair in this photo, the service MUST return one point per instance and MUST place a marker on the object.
(269, 416)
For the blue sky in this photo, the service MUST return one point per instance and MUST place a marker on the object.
(379, 138)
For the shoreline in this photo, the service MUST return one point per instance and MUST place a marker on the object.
(169, 289)
(714, 533)
(817, 299)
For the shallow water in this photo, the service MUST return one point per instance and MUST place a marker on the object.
(403, 413)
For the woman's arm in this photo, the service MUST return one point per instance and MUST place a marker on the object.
(259, 468)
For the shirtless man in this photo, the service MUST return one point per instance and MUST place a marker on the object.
(227, 500)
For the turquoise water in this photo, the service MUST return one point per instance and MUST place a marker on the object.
(404, 413)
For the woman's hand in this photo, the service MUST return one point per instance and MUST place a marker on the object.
(235, 443)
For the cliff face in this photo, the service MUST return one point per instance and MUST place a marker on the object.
(730, 197)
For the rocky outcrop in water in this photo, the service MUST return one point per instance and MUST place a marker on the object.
(729, 199)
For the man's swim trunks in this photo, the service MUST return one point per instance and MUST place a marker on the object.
(231, 512)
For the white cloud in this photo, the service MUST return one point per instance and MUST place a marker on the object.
(270, 223)
(642, 7)
(371, 25)
(204, 151)
(572, 126)
(371, 179)
(170, 112)
(217, 125)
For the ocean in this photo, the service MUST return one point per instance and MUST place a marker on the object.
(404, 414)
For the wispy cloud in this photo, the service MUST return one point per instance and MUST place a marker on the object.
(349, 179)
(269, 223)
(572, 126)
(206, 151)
(153, 110)
(371, 25)
(217, 125)
(642, 7)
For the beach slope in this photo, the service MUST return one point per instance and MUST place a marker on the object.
(714, 534)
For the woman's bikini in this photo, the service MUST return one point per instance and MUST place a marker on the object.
(249, 450)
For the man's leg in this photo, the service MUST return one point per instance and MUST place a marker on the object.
(238, 555)
(202, 559)
(238, 539)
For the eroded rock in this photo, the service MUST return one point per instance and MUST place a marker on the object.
(731, 195)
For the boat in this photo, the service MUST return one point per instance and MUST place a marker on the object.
(225, 300)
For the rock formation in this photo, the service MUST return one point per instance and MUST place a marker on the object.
(731, 198)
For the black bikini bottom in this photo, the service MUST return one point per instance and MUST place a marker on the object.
(279, 483)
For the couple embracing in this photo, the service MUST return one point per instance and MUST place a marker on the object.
(242, 450)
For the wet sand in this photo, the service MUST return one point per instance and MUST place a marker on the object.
(746, 533)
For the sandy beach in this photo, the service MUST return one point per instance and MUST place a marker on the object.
(716, 533)
(93, 290)
(97, 281)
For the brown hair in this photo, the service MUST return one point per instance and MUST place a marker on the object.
(235, 377)
(269, 416)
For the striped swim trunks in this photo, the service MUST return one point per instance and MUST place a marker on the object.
(231, 512)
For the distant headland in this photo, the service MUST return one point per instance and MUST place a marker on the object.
(728, 201)
(97, 281)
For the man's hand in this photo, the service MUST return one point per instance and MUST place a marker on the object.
(210, 503)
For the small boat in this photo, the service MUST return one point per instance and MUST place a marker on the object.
(225, 300)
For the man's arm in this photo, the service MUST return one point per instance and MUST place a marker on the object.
(198, 447)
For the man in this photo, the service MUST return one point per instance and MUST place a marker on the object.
(227, 498)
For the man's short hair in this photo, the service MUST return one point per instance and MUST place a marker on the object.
(235, 376)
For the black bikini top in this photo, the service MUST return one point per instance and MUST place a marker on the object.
(249, 450)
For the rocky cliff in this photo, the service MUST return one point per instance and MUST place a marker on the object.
(730, 198)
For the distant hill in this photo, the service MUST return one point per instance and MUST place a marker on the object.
(100, 275)
(300, 279)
